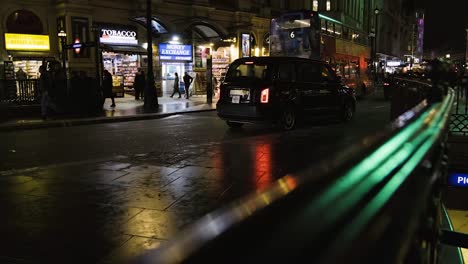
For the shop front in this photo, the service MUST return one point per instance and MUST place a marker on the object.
(174, 58)
(26, 53)
(122, 55)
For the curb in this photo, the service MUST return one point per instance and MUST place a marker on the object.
(98, 120)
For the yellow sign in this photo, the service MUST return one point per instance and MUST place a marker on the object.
(27, 42)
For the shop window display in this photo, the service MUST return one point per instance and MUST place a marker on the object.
(30, 67)
(221, 60)
(122, 65)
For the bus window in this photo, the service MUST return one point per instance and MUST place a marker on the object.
(338, 30)
(330, 28)
(323, 25)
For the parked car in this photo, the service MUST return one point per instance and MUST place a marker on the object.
(282, 89)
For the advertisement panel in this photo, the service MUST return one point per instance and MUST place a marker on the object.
(245, 45)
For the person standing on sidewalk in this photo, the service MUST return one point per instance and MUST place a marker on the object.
(44, 86)
(187, 81)
(107, 87)
(139, 84)
(21, 78)
(176, 85)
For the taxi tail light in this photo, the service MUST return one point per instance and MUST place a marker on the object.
(265, 96)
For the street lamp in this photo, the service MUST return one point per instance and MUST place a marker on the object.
(95, 29)
(376, 41)
(63, 36)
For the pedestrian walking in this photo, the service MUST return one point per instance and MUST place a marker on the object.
(139, 84)
(107, 87)
(187, 81)
(176, 85)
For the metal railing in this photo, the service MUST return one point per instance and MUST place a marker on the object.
(19, 91)
(376, 202)
(459, 119)
(406, 93)
(78, 96)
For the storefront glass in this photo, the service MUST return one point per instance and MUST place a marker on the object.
(174, 58)
(122, 65)
(221, 59)
(30, 67)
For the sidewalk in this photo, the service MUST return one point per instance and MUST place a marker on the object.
(127, 109)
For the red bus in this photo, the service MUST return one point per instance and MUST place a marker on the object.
(308, 34)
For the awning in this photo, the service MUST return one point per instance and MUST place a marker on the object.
(205, 31)
(157, 26)
(127, 49)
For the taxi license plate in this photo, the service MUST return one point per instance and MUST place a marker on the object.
(236, 99)
(240, 92)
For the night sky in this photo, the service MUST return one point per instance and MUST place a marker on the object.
(445, 24)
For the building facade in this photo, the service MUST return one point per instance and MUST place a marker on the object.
(189, 33)
(111, 35)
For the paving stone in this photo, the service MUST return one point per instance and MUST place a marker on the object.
(196, 204)
(186, 185)
(112, 165)
(147, 168)
(157, 224)
(191, 171)
(14, 179)
(140, 197)
(101, 176)
(131, 249)
(154, 180)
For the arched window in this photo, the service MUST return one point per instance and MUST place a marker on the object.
(24, 21)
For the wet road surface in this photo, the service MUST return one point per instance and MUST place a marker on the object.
(105, 193)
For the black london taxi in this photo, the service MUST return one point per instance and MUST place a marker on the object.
(280, 90)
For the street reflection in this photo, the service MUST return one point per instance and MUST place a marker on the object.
(263, 165)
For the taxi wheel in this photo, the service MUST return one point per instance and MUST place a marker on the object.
(234, 124)
(288, 118)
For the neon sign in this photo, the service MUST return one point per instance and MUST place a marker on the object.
(114, 36)
(458, 179)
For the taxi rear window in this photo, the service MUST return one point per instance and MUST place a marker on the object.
(249, 70)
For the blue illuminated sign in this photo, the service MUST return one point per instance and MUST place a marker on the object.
(175, 52)
(458, 179)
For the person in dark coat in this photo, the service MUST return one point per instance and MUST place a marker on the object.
(176, 85)
(187, 81)
(107, 86)
(45, 83)
(139, 84)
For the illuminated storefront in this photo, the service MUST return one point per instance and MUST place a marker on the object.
(19, 47)
(174, 58)
(33, 39)
(121, 55)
